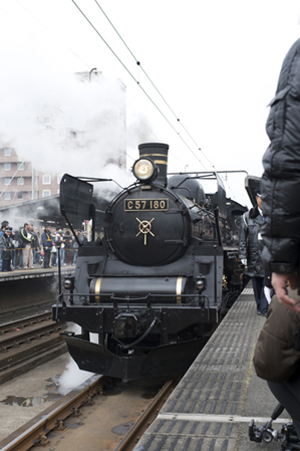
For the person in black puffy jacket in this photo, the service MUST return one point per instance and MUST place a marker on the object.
(280, 187)
(280, 184)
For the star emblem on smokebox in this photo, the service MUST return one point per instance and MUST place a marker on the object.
(145, 228)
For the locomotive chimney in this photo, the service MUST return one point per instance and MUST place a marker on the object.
(158, 153)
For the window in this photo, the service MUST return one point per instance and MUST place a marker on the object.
(7, 196)
(20, 181)
(7, 152)
(7, 166)
(20, 195)
(7, 181)
(46, 179)
(21, 166)
(46, 193)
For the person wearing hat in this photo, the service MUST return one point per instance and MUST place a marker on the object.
(250, 247)
(7, 247)
(47, 245)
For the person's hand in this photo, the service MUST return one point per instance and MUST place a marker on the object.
(279, 282)
(244, 261)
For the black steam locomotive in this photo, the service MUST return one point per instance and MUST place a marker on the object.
(162, 274)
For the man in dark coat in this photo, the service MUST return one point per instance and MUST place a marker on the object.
(7, 247)
(47, 239)
(280, 183)
(250, 246)
(280, 187)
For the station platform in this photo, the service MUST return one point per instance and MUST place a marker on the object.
(28, 291)
(34, 273)
(212, 406)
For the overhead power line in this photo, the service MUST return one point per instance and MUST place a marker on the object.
(137, 82)
(152, 83)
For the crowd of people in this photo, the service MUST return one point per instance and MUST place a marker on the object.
(25, 248)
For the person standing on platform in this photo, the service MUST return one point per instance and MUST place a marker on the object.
(280, 188)
(35, 245)
(250, 247)
(47, 240)
(60, 243)
(26, 238)
(4, 224)
(7, 247)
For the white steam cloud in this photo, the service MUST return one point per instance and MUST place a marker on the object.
(61, 122)
(73, 376)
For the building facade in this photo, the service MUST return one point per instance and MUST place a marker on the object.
(19, 181)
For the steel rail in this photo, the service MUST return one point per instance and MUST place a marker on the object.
(22, 323)
(35, 432)
(29, 334)
(148, 416)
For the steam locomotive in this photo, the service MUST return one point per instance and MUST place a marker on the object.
(161, 276)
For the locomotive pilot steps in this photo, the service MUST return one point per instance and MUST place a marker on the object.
(153, 286)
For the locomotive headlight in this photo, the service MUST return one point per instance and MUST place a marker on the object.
(200, 283)
(69, 283)
(144, 169)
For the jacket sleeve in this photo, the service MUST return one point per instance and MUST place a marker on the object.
(243, 246)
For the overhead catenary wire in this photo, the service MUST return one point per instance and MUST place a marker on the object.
(160, 94)
(135, 79)
(138, 83)
(152, 83)
(57, 38)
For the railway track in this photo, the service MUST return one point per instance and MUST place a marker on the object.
(90, 404)
(28, 342)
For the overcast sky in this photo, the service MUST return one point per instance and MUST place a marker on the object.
(216, 64)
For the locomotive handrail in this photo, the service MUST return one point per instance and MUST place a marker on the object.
(127, 298)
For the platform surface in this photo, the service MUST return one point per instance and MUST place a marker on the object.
(212, 406)
(34, 273)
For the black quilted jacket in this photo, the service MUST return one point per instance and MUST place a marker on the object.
(280, 185)
(250, 244)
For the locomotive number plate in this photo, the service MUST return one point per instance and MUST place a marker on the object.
(146, 204)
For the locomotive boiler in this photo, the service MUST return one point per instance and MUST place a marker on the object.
(148, 290)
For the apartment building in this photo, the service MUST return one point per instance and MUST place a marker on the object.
(19, 181)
